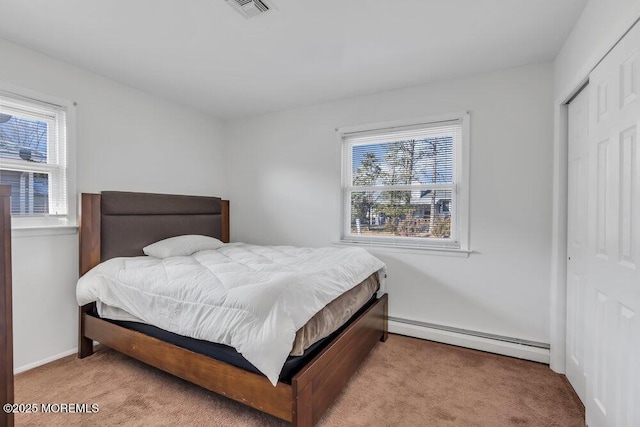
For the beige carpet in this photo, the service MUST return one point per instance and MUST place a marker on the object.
(404, 382)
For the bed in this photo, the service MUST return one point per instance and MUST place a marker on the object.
(114, 224)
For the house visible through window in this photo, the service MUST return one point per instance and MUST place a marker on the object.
(406, 184)
(33, 156)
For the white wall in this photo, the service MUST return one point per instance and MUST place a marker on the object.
(126, 140)
(601, 24)
(284, 187)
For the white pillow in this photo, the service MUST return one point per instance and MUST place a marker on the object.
(181, 246)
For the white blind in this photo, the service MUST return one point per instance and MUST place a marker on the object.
(401, 184)
(419, 131)
(33, 156)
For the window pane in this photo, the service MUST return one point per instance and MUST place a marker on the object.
(415, 161)
(29, 192)
(416, 213)
(23, 138)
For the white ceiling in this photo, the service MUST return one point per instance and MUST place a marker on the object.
(203, 54)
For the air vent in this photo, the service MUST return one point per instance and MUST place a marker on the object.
(251, 8)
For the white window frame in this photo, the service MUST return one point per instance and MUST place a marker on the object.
(460, 188)
(61, 168)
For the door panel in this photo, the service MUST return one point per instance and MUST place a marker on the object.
(613, 273)
(577, 239)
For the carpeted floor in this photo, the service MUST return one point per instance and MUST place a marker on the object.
(404, 382)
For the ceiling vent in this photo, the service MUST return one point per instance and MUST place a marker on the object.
(251, 8)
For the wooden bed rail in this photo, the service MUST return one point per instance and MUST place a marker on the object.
(318, 384)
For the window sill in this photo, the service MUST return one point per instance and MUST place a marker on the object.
(421, 250)
(43, 230)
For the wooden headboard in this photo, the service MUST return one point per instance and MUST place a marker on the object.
(116, 223)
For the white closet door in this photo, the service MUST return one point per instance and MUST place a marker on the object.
(613, 264)
(577, 240)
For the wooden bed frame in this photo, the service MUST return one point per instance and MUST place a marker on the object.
(6, 322)
(303, 402)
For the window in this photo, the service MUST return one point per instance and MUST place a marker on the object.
(34, 161)
(407, 183)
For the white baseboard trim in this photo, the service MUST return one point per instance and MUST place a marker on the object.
(520, 351)
(50, 359)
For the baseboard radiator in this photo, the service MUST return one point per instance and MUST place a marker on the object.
(508, 346)
(499, 344)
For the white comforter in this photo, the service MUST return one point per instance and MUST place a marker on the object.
(253, 298)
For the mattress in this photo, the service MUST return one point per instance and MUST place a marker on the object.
(334, 314)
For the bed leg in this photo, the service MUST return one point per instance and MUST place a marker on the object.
(85, 345)
(385, 320)
(302, 410)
